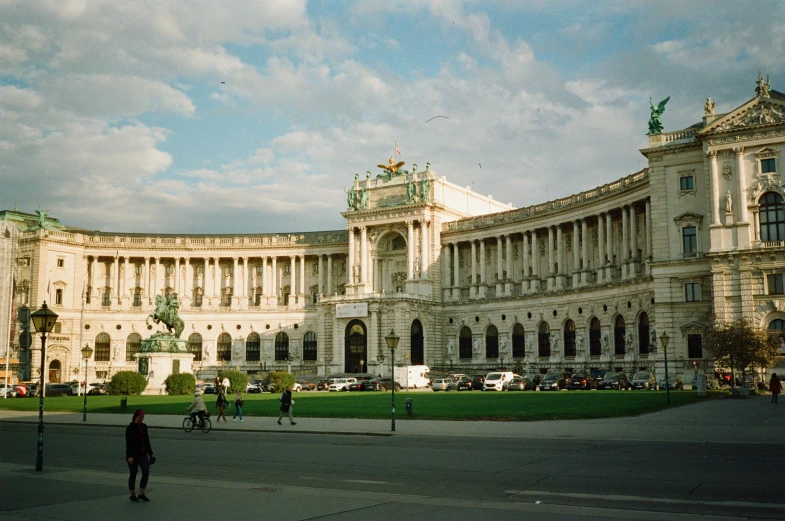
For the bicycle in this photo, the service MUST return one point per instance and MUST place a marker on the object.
(204, 424)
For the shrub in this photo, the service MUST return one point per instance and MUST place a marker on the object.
(127, 382)
(279, 380)
(238, 380)
(180, 383)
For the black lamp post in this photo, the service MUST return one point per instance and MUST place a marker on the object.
(44, 322)
(392, 343)
(664, 341)
(87, 352)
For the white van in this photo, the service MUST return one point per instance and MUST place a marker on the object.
(413, 376)
(498, 381)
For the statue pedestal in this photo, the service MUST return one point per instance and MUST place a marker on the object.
(160, 356)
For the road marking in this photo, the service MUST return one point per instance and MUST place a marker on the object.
(365, 481)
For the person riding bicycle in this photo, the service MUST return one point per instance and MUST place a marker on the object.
(197, 408)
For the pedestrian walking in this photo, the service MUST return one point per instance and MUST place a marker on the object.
(286, 405)
(138, 454)
(238, 407)
(775, 386)
(226, 384)
(221, 403)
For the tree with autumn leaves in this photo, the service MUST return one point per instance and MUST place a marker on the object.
(739, 345)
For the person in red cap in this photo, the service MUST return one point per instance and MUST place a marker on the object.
(139, 454)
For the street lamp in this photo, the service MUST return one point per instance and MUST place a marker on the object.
(44, 322)
(87, 352)
(664, 341)
(392, 343)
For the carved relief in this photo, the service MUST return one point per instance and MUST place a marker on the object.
(726, 170)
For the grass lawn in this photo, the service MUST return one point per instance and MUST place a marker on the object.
(507, 406)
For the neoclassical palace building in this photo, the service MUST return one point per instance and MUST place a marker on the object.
(469, 283)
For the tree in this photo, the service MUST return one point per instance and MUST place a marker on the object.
(738, 344)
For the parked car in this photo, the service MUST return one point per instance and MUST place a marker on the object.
(555, 381)
(8, 390)
(323, 385)
(498, 381)
(444, 384)
(59, 390)
(521, 383)
(643, 380)
(356, 386)
(674, 382)
(582, 381)
(209, 389)
(297, 387)
(617, 381)
(305, 385)
(380, 384)
(255, 387)
(98, 389)
(342, 384)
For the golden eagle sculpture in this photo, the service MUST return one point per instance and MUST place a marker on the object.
(392, 168)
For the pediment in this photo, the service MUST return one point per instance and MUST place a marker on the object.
(689, 217)
(693, 325)
(757, 112)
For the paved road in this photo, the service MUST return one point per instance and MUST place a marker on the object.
(674, 464)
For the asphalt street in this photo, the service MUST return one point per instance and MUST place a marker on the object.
(597, 469)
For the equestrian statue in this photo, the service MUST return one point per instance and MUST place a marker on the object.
(166, 312)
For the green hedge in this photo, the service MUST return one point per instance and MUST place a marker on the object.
(279, 380)
(180, 383)
(238, 380)
(127, 382)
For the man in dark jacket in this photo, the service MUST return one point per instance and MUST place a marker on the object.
(286, 405)
(138, 453)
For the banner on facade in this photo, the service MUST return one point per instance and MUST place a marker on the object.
(351, 310)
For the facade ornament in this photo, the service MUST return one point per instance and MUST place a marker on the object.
(427, 167)
(762, 86)
(728, 202)
(425, 190)
(411, 191)
(726, 170)
(655, 122)
(708, 107)
(477, 346)
(391, 170)
(352, 199)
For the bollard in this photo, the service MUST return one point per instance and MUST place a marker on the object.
(408, 406)
(124, 403)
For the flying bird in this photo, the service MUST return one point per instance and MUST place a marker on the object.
(445, 117)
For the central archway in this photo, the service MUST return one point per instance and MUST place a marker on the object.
(55, 372)
(356, 351)
(418, 344)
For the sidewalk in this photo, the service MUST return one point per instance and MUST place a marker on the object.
(751, 420)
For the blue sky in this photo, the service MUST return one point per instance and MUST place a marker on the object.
(120, 110)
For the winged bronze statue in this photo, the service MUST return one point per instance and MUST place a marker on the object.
(655, 122)
(392, 168)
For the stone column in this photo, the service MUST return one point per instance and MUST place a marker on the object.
(715, 188)
(648, 235)
(633, 242)
(188, 280)
(456, 278)
(321, 275)
(124, 279)
(205, 292)
(446, 272)
(525, 259)
(535, 282)
(410, 247)
(499, 269)
(274, 283)
(551, 259)
(350, 258)
(329, 274)
(561, 275)
(154, 278)
(292, 281)
(303, 295)
(94, 291)
(246, 280)
(483, 270)
(510, 279)
(116, 278)
(473, 287)
(576, 254)
(424, 249)
(585, 251)
(265, 288)
(601, 244)
(625, 242)
(363, 255)
(176, 281)
(217, 278)
(609, 247)
(742, 178)
(235, 271)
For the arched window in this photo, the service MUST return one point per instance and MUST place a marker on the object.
(417, 343)
(618, 335)
(595, 347)
(518, 342)
(224, 350)
(569, 338)
(195, 346)
(253, 348)
(102, 346)
(132, 346)
(643, 333)
(772, 217)
(465, 343)
(777, 328)
(281, 346)
(309, 346)
(491, 342)
(544, 340)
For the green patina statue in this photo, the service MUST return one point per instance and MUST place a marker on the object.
(425, 190)
(166, 312)
(655, 123)
(411, 191)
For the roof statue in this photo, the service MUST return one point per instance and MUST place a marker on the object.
(708, 107)
(392, 168)
(43, 222)
(655, 123)
(762, 89)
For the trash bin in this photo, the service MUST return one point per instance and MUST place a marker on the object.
(124, 403)
(408, 406)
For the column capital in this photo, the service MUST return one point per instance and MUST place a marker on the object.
(410, 223)
(711, 154)
(157, 260)
(738, 150)
(350, 228)
(363, 228)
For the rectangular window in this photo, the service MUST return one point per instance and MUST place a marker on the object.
(138, 270)
(198, 300)
(689, 241)
(137, 300)
(687, 182)
(287, 269)
(692, 292)
(169, 269)
(106, 300)
(768, 166)
(59, 297)
(259, 269)
(694, 346)
(58, 327)
(200, 270)
(60, 263)
(315, 268)
(776, 284)
(258, 299)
